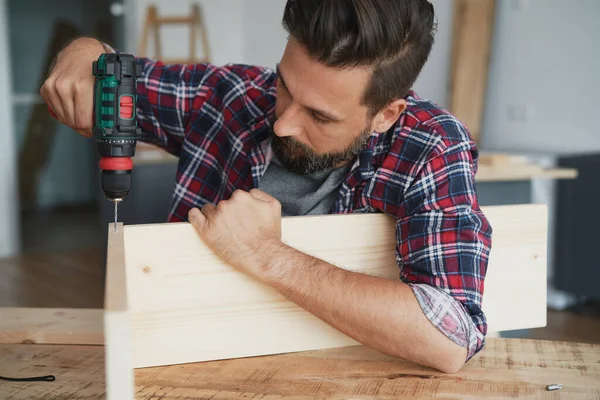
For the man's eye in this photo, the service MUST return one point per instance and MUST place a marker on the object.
(318, 118)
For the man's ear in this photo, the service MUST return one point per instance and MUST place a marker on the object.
(385, 118)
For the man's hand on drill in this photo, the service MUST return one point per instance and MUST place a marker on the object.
(69, 88)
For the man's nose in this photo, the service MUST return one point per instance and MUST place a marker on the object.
(289, 122)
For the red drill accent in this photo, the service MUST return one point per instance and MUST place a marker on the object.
(126, 107)
(116, 163)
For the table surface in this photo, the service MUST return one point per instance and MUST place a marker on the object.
(506, 368)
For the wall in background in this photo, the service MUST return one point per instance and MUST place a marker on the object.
(9, 210)
(543, 83)
(433, 83)
(264, 38)
(223, 19)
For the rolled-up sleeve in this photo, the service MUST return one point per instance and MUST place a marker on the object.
(444, 242)
(450, 317)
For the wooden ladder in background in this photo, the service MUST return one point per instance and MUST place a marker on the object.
(148, 153)
(194, 20)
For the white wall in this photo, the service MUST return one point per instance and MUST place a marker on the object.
(433, 83)
(544, 82)
(9, 211)
(223, 18)
(264, 38)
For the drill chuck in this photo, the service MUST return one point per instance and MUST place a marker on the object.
(116, 184)
(115, 121)
(116, 176)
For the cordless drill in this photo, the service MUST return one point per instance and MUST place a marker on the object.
(115, 121)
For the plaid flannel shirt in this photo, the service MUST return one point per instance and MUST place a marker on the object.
(217, 120)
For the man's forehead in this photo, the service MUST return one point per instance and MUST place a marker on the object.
(313, 80)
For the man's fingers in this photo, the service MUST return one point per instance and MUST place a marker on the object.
(84, 133)
(259, 194)
(270, 200)
(208, 211)
(197, 219)
(83, 110)
(52, 100)
(66, 101)
(63, 93)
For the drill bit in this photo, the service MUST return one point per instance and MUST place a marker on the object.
(116, 207)
(116, 201)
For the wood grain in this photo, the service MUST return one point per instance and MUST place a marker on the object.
(73, 279)
(506, 368)
(515, 284)
(178, 289)
(472, 37)
(51, 326)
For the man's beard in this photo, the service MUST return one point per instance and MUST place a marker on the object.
(301, 159)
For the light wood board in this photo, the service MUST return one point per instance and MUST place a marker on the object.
(117, 327)
(186, 305)
(527, 172)
(505, 368)
(505, 167)
(472, 42)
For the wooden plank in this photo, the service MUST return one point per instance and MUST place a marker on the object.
(51, 326)
(497, 167)
(117, 329)
(472, 34)
(175, 20)
(504, 368)
(178, 289)
(558, 173)
(507, 173)
(496, 159)
(515, 285)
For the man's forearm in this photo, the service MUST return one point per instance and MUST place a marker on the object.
(380, 313)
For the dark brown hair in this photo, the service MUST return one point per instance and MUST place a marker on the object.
(394, 37)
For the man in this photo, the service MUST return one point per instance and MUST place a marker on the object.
(336, 129)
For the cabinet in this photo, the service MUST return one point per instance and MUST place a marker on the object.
(577, 262)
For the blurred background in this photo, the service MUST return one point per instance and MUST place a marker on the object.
(522, 74)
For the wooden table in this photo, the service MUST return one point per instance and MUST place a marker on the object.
(506, 368)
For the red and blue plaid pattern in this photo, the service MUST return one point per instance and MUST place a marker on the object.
(217, 120)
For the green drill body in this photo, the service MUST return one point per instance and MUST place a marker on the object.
(115, 120)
